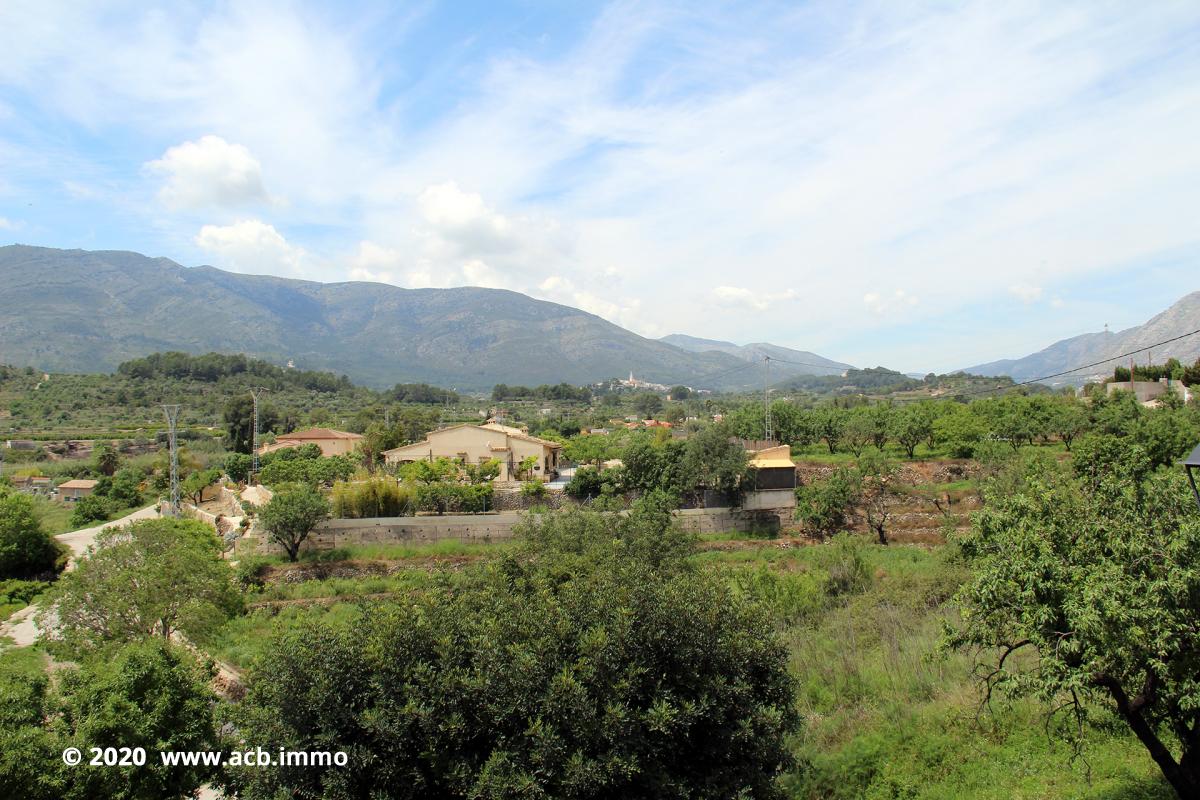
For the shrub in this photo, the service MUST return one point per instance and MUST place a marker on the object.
(454, 497)
(789, 596)
(92, 508)
(534, 489)
(250, 571)
(312, 471)
(378, 497)
(21, 592)
(150, 695)
(848, 570)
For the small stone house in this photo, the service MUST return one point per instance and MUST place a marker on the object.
(73, 490)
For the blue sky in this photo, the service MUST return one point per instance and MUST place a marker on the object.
(918, 185)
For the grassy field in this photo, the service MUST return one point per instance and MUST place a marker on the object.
(886, 715)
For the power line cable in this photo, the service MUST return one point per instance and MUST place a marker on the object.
(1076, 369)
(806, 364)
(700, 381)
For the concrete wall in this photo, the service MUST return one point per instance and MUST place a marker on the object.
(336, 533)
(765, 499)
(1146, 391)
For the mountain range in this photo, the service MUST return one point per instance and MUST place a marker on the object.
(1107, 347)
(788, 362)
(87, 311)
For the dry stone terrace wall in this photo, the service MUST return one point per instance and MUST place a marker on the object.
(335, 533)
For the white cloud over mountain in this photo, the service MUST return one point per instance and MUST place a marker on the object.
(251, 245)
(209, 172)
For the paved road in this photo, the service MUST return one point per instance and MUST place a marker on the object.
(20, 627)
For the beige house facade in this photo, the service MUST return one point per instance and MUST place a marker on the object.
(331, 442)
(73, 490)
(476, 444)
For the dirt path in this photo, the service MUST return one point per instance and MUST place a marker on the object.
(21, 627)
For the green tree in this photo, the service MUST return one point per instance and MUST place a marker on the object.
(152, 578)
(879, 490)
(25, 548)
(432, 471)
(291, 515)
(910, 426)
(880, 416)
(148, 695)
(1068, 420)
(712, 461)
(237, 467)
(106, 459)
(647, 404)
(595, 670)
(238, 417)
(858, 430)
(1099, 580)
(126, 489)
(824, 505)
(959, 430)
(792, 424)
(594, 448)
(678, 393)
(829, 423)
(192, 487)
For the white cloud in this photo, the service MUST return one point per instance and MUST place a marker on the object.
(737, 296)
(209, 172)
(1025, 293)
(8, 225)
(884, 304)
(251, 246)
(361, 274)
(477, 272)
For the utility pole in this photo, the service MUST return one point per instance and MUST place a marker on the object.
(254, 393)
(768, 424)
(172, 414)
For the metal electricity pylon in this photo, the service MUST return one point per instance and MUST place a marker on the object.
(254, 393)
(768, 423)
(172, 414)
